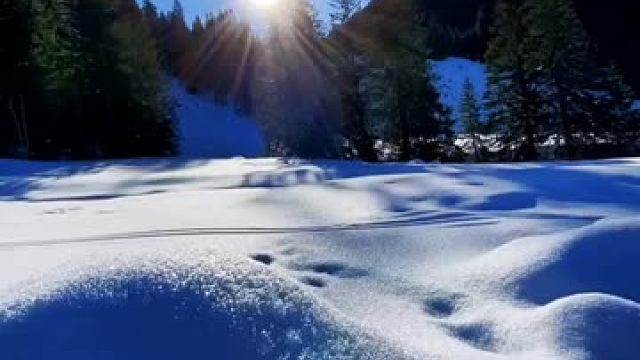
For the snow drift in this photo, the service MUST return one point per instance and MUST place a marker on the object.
(319, 259)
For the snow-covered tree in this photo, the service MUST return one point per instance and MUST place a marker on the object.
(470, 116)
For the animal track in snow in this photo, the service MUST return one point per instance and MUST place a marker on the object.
(441, 307)
(265, 259)
(331, 268)
(313, 281)
(480, 336)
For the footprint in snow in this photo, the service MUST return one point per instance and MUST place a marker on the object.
(331, 268)
(440, 307)
(480, 336)
(313, 281)
(265, 259)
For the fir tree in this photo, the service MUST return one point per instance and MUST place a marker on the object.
(562, 53)
(514, 103)
(16, 31)
(351, 67)
(615, 121)
(471, 118)
(414, 118)
(343, 10)
(86, 100)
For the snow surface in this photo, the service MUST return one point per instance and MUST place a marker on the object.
(273, 259)
(208, 130)
(451, 74)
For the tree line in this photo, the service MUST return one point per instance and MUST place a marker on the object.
(81, 79)
(90, 79)
(548, 96)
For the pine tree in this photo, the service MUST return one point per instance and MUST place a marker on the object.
(615, 122)
(412, 114)
(343, 10)
(146, 128)
(562, 53)
(471, 118)
(175, 38)
(296, 125)
(351, 67)
(514, 103)
(16, 31)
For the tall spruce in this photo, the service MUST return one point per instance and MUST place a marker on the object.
(16, 32)
(561, 50)
(351, 66)
(470, 116)
(614, 115)
(296, 125)
(413, 116)
(343, 10)
(514, 103)
(89, 86)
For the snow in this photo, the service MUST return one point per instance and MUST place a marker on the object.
(208, 130)
(272, 259)
(451, 74)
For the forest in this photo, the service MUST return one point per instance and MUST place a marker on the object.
(90, 79)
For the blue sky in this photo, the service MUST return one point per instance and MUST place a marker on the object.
(202, 7)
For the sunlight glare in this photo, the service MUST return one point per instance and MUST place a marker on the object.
(265, 4)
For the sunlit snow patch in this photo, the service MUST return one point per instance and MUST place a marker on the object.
(209, 130)
(155, 307)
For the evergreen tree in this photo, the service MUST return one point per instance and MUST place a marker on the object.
(148, 128)
(562, 53)
(514, 102)
(91, 87)
(343, 10)
(296, 125)
(175, 38)
(16, 31)
(351, 67)
(615, 122)
(471, 118)
(412, 114)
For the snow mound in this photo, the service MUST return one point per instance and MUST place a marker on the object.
(451, 73)
(208, 130)
(190, 305)
(601, 258)
(595, 326)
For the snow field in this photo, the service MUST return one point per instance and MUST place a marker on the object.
(321, 259)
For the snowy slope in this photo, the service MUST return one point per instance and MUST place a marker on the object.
(265, 259)
(451, 73)
(208, 130)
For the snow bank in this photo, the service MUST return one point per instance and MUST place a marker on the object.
(208, 130)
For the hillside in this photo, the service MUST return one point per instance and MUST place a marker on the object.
(210, 130)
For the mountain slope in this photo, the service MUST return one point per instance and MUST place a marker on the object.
(209, 130)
